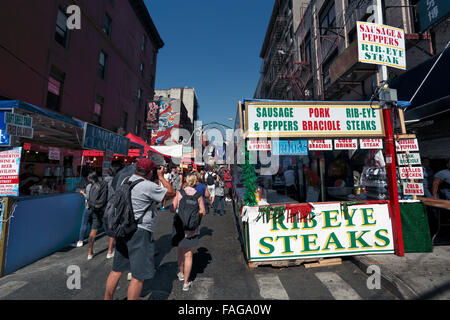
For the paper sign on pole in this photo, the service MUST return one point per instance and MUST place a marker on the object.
(413, 189)
(381, 44)
(408, 159)
(54, 153)
(318, 145)
(406, 145)
(371, 143)
(345, 144)
(411, 173)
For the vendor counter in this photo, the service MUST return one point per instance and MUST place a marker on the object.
(40, 226)
(282, 229)
(279, 230)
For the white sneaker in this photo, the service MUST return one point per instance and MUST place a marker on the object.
(186, 287)
(110, 255)
(80, 243)
(129, 276)
(90, 256)
(180, 276)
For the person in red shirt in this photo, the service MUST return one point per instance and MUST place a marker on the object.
(228, 185)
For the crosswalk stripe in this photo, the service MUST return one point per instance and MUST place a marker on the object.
(9, 287)
(202, 288)
(270, 287)
(338, 288)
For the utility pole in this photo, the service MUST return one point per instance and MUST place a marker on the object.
(389, 146)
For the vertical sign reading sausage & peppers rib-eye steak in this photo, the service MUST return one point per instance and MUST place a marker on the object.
(313, 120)
(380, 44)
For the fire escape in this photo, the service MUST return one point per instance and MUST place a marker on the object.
(298, 73)
(278, 85)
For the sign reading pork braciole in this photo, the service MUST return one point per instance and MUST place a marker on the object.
(313, 119)
(363, 229)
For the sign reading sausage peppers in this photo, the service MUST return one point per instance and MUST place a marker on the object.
(313, 120)
(380, 44)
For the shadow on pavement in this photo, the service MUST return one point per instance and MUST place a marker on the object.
(200, 261)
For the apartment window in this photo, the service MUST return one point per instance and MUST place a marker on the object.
(55, 89)
(352, 36)
(98, 107)
(138, 127)
(144, 43)
(328, 20)
(139, 98)
(152, 81)
(142, 69)
(124, 120)
(102, 64)
(307, 52)
(107, 25)
(154, 58)
(326, 69)
(62, 33)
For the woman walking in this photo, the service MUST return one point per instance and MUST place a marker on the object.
(203, 190)
(190, 240)
(86, 215)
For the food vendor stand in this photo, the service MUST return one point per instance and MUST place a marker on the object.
(334, 150)
(43, 216)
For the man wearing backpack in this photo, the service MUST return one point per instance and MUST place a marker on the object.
(135, 250)
(210, 182)
(97, 200)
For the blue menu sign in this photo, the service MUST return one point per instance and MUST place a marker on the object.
(289, 148)
(97, 138)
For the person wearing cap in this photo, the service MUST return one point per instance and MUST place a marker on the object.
(136, 254)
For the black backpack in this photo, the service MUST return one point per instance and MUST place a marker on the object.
(210, 179)
(98, 195)
(188, 210)
(119, 217)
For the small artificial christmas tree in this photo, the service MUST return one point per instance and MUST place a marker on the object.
(249, 177)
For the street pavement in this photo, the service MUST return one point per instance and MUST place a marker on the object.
(219, 273)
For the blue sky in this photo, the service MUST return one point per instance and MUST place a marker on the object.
(212, 46)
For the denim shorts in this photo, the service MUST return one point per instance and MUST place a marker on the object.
(96, 219)
(136, 255)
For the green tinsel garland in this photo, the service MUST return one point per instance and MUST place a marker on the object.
(249, 177)
(269, 212)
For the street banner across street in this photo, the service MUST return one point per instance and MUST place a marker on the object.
(314, 120)
(381, 44)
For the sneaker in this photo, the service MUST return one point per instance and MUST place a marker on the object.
(90, 256)
(187, 286)
(110, 255)
(80, 243)
(180, 276)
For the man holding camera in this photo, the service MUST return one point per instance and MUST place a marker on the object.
(137, 253)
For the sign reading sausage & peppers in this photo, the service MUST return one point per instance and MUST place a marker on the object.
(332, 119)
(381, 44)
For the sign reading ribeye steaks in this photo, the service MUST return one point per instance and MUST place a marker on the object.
(320, 145)
(313, 120)
(364, 229)
(411, 173)
(371, 143)
(381, 44)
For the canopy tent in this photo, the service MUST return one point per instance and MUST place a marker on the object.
(175, 151)
(50, 128)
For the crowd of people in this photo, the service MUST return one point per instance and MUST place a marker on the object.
(153, 189)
